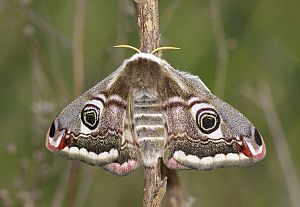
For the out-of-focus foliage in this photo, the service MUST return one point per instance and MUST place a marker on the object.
(36, 81)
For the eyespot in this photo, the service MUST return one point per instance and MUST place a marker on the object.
(206, 117)
(90, 116)
(208, 121)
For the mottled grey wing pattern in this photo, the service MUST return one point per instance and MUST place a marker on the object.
(204, 132)
(95, 128)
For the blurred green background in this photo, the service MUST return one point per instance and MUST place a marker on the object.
(36, 77)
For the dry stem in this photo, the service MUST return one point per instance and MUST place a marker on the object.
(154, 186)
(221, 43)
(263, 99)
(148, 24)
(78, 32)
(148, 28)
(78, 66)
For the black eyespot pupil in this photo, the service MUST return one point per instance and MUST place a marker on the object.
(208, 122)
(52, 130)
(90, 117)
(257, 138)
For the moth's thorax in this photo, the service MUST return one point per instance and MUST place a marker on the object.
(143, 74)
(149, 74)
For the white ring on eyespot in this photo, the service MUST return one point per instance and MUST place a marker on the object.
(83, 128)
(217, 134)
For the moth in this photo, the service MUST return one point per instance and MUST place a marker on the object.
(146, 111)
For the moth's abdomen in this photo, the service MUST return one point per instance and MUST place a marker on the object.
(149, 129)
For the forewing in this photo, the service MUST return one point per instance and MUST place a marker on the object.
(94, 129)
(204, 132)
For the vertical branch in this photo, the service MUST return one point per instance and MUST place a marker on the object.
(148, 24)
(85, 186)
(61, 188)
(148, 28)
(221, 44)
(78, 66)
(263, 95)
(78, 31)
(33, 168)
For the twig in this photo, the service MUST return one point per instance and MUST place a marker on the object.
(40, 107)
(154, 187)
(78, 66)
(263, 99)
(61, 188)
(78, 32)
(221, 44)
(85, 186)
(148, 24)
(148, 28)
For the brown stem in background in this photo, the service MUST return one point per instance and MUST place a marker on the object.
(78, 66)
(33, 169)
(84, 187)
(221, 44)
(262, 97)
(78, 31)
(175, 193)
(61, 188)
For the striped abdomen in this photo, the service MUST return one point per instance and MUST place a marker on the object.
(149, 129)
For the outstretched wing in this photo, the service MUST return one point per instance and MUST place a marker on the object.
(95, 128)
(204, 132)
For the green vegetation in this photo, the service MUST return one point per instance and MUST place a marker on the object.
(36, 77)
